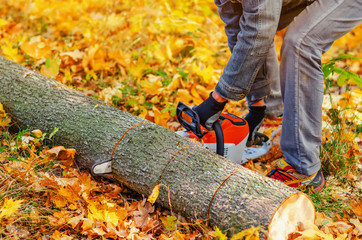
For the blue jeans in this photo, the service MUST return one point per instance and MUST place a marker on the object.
(250, 28)
(310, 34)
(253, 70)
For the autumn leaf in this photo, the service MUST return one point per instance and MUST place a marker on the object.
(358, 227)
(37, 133)
(218, 234)
(160, 118)
(247, 234)
(36, 47)
(357, 207)
(10, 207)
(4, 119)
(169, 222)
(51, 67)
(66, 156)
(154, 195)
(3, 22)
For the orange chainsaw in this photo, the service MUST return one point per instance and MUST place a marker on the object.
(228, 138)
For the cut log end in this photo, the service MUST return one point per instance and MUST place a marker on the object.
(295, 211)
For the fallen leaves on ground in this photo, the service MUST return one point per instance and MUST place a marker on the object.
(143, 57)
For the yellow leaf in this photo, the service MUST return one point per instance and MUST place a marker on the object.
(69, 194)
(155, 100)
(179, 235)
(175, 83)
(3, 22)
(204, 93)
(143, 112)
(197, 98)
(206, 73)
(154, 195)
(138, 69)
(109, 213)
(184, 96)
(152, 84)
(314, 233)
(37, 133)
(11, 52)
(59, 201)
(170, 222)
(53, 69)
(136, 22)
(248, 234)
(160, 118)
(60, 236)
(218, 234)
(76, 54)
(4, 121)
(10, 206)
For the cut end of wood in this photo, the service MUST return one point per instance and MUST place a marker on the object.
(294, 213)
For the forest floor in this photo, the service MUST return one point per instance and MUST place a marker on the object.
(144, 57)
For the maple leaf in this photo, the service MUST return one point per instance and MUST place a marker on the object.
(10, 207)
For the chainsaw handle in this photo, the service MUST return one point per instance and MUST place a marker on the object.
(193, 126)
(219, 138)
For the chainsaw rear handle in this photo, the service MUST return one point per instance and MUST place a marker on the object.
(194, 126)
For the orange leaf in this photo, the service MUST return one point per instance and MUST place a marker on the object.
(160, 118)
(60, 153)
(357, 207)
(36, 48)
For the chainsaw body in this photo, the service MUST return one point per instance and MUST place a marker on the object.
(231, 133)
(235, 132)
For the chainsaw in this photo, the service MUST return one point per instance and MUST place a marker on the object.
(228, 137)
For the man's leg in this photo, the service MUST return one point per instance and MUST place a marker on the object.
(310, 34)
(274, 103)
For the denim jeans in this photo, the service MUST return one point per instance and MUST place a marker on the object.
(255, 76)
(250, 28)
(310, 34)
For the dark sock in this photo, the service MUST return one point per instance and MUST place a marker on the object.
(255, 118)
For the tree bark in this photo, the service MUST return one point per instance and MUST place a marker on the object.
(192, 174)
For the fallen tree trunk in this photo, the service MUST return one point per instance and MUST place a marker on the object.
(192, 174)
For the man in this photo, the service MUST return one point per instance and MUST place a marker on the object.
(250, 26)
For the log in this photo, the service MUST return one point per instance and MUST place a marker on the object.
(196, 182)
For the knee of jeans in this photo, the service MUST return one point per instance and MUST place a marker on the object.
(295, 41)
(291, 40)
